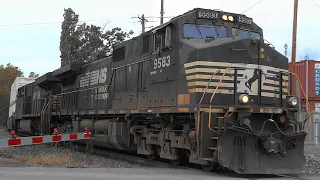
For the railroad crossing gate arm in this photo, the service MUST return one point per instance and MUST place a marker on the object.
(32, 140)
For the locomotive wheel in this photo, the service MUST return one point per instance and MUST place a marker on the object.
(210, 167)
(207, 168)
(176, 162)
(151, 157)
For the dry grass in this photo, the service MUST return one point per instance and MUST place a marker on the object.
(9, 160)
(49, 160)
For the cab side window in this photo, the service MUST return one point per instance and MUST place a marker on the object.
(145, 44)
(158, 40)
(162, 38)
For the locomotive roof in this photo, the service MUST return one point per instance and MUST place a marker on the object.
(189, 13)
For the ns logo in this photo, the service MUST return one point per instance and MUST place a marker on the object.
(103, 75)
(94, 77)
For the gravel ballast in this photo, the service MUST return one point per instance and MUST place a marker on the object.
(53, 156)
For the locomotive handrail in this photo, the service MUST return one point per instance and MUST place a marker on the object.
(287, 86)
(42, 109)
(214, 93)
(307, 99)
(79, 90)
(147, 59)
(269, 43)
(199, 109)
(205, 91)
(46, 106)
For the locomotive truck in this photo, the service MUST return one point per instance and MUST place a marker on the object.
(204, 87)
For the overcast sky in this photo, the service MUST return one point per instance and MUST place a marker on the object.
(35, 47)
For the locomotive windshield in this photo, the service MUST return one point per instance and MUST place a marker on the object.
(204, 31)
(245, 33)
(207, 31)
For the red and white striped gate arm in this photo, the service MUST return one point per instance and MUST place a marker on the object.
(32, 140)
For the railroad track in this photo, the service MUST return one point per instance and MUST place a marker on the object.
(160, 163)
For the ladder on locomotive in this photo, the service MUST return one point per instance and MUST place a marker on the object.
(46, 110)
(217, 129)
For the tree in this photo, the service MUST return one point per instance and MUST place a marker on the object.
(86, 43)
(33, 75)
(7, 75)
(95, 43)
(114, 37)
(91, 41)
(68, 41)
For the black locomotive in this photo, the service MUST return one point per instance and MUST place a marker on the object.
(203, 87)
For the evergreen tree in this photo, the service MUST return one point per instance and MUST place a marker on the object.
(68, 41)
(86, 43)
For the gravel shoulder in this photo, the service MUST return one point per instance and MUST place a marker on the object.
(312, 155)
(53, 156)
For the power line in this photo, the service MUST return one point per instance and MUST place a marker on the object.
(46, 23)
(59, 22)
(315, 3)
(252, 6)
(56, 22)
(160, 17)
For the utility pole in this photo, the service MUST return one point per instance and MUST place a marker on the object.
(307, 80)
(294, 36)
(161, 12)
(143, 21)
(143, 25)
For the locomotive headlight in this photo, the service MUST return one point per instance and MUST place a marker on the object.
(293, 101)
(243, 98)
(225, 17)
(262, 53)
(230, 18)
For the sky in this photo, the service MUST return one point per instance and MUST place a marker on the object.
(30, 29)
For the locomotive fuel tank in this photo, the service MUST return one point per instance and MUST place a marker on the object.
(86, 123)
(28, 126)
(101, 126)
(110, 133)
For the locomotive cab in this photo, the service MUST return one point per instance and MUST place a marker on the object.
(239, 87)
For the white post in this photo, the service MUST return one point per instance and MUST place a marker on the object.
(316, 132)
(316, 120)
(307, 86)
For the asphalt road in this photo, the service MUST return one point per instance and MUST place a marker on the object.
(118, 174)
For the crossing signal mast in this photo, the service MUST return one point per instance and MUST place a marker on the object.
(285, 50)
